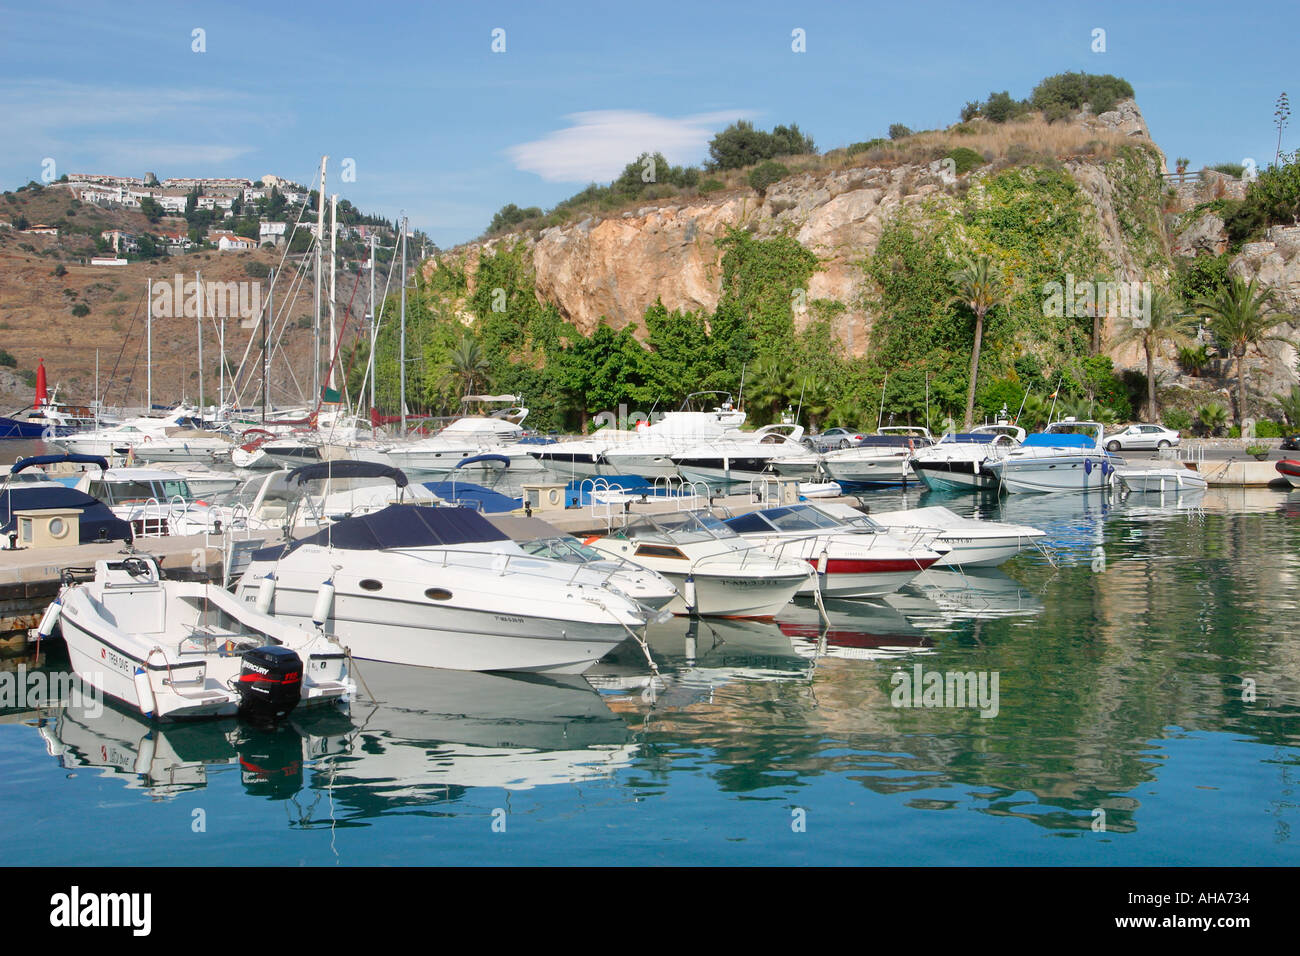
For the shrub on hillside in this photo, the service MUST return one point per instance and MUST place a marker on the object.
(257, 270)
(80, 310)
(966, 159)
(740, 145)
(898, 131)
(870, 144)
(765, 174)
(709, 186)
(1064, 94)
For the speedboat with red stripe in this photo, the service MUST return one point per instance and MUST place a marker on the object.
(861, 561)
(1289, 469)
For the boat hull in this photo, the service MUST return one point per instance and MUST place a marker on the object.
(449, 637)
(953, 475)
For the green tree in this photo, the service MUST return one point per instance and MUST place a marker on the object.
(1241, 317)
(770, 388)
(466, 367)
(980, 288)
(1167, 325)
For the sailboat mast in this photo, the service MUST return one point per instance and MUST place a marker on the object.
(199, 277)
(320, 237)
(334, 239)
(148, 353)
(402, 336)
(370, 372)
(266, 317)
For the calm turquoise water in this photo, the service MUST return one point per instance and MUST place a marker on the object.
(1121, 672)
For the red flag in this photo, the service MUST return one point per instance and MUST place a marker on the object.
(42, 393)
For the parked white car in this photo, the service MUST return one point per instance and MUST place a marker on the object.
(1142, 436)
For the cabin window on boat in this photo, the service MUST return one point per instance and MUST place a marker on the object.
(437, 594)
(657, 551)
(370, 584)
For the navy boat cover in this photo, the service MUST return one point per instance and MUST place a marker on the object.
(345, 469)
(97, 523)
(34, 460)
(398, 526)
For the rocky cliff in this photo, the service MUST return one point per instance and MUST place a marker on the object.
(611, 269)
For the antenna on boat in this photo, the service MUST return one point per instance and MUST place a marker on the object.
(740, 399)
(799, 410)
(880, 416)
(1024, 398)
(1052, 411)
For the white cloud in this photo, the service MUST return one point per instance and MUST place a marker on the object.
(599, 143)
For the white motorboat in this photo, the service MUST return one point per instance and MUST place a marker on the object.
(851, 561)
(1160, 479)
(174, 649)
(120, 439)
(649, 449)
(313, 496)
(881, 459)
(715, 571)
(971, 542)
(539, 538)
(956, 462)
(1067, 456)
(184, 445)
(155, 501)
(442, 587)
(740, 457)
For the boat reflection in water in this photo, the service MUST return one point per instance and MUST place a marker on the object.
(427, 736)
(857, 630)
(695, 656)
(165, 759)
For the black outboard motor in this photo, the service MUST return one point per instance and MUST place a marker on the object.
(270, 682)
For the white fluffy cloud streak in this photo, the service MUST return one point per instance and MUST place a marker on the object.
(599, 143)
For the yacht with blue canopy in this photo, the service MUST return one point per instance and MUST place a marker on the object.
(1067, 456)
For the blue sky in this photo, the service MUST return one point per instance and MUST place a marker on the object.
(441, 127)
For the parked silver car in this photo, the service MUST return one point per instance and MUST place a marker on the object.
(1142, 436)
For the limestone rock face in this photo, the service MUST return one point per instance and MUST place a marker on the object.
(1274, 262)
(1206, 236)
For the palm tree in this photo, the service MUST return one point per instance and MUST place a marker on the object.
(980, 288)
(1166, 325)
(771, 387)
(465, 366)
(1241, 316)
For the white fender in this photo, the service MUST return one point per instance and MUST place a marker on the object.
(144, 692)
(50, 618)
(689, 592)
(324, 604)
(266, 593)
(144, 757)
(822, 560)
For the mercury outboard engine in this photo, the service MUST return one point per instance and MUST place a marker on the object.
(270, 682)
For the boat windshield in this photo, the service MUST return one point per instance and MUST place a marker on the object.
(852, 519)
(800, 518)
(563, 548)
(682, 527)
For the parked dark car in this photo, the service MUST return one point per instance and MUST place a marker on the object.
(1291, 443)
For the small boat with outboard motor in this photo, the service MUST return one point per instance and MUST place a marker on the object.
(184, 649)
